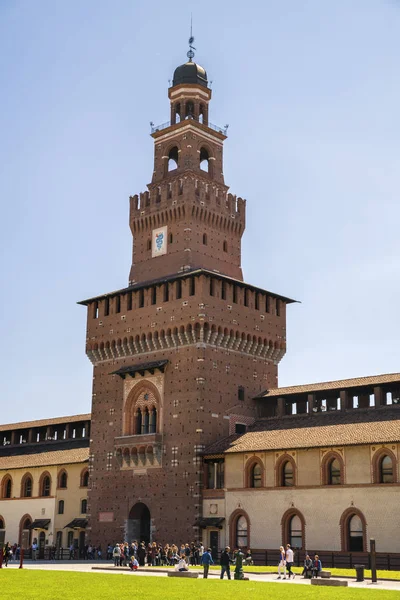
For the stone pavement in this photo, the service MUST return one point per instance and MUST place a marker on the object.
(106, 567)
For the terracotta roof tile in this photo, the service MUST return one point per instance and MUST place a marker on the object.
(45, 422)
(345, 434)
(339, 384)
(44, 459)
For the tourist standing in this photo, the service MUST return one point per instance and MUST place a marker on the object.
(206, 561)
(225, 563)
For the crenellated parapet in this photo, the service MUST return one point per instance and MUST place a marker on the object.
(172, 199)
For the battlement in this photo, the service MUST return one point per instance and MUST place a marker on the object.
(188, 188)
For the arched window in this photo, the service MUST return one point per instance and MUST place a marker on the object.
(386, 470)
(2, 524)
(334, 472)
(26, 486)
(353, 530)
(293, 528)
(204, 239)
(332, 469)
(295, 532)
(85, 478)
(384, 466)
(239, 529)
(139, 421)
(45, 485)
(145, 423)
(173, 157)
(148, 244)
(287, 474)
(84, 506)
(62, 480)
(225, 246)
(153, 421)
(6, 487)
(61, 507)
(171, 238)
(256, 476)
(204, 160)
(241, 532)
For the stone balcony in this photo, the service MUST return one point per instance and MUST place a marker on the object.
(141, 451)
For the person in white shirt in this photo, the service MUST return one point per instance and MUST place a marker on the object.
(182, 565)
(289, 561)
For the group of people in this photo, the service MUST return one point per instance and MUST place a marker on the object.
(312, 567)
(138, 554)
(155, 554)
(10, 553)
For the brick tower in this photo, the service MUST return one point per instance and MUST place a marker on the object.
(179, 354)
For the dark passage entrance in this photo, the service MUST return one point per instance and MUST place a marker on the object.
(139, 524)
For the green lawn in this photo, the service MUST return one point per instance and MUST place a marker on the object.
(62, 585)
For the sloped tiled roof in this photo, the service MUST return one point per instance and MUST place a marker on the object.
(346, 434)
(46, 422)
(339, 384)
(44, 459)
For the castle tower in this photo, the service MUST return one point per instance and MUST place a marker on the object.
(180, 353)
(187, 219)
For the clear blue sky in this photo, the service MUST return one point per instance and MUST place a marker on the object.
(311, 92)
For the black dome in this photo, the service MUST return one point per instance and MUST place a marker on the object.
(190, 72)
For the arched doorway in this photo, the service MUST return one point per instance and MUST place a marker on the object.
(25, 532)
(138, 525)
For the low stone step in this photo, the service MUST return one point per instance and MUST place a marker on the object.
(331, 582)
(189, 574)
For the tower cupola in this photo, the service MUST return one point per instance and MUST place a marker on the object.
(190, 72)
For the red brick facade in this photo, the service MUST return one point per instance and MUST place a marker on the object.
(185, 346)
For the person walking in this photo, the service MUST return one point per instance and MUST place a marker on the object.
(225, 563)
(289, 561)
(282, 563)
(206, 561)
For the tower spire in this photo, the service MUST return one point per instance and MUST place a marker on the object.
(190, 53)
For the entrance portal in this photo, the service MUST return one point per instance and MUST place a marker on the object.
(138, 524)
